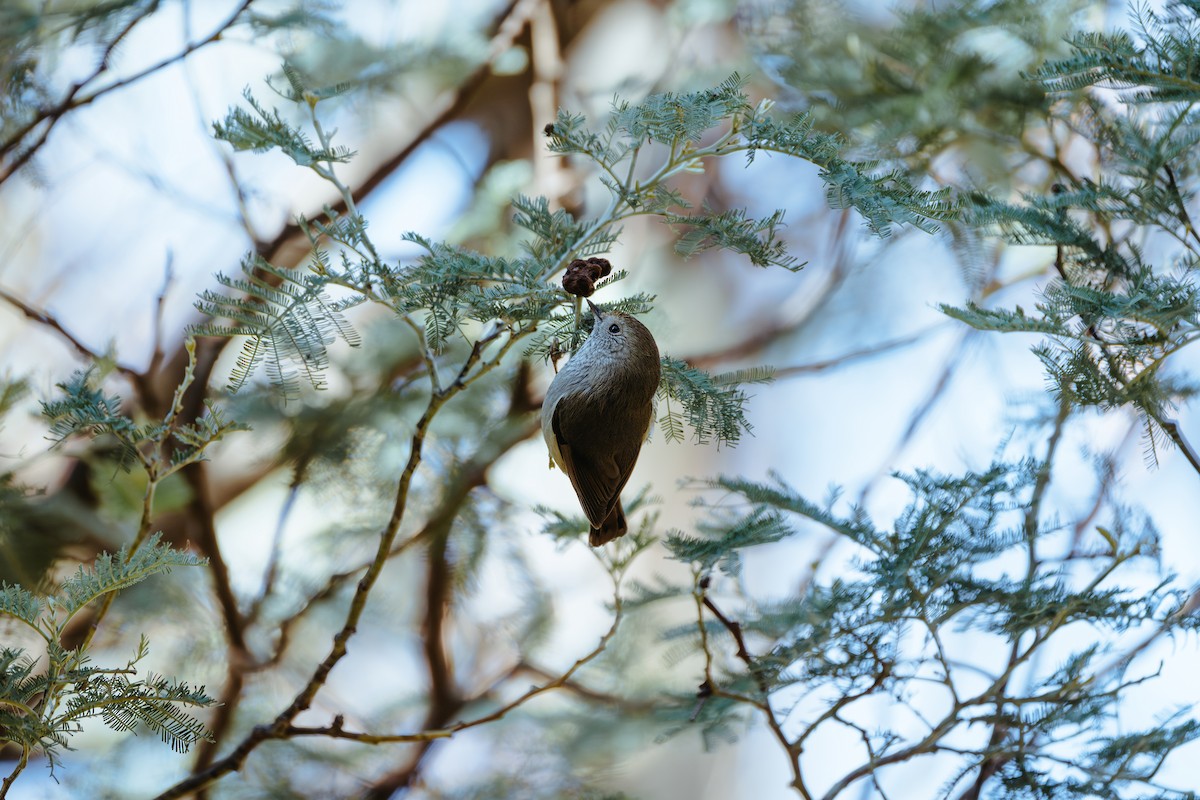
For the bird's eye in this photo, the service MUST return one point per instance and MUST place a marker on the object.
(614, 328)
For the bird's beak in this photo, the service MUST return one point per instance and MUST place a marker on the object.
(596, 311)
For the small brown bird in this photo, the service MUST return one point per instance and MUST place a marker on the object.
(597, 413)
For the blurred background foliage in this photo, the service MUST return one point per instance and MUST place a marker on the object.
(940, 566)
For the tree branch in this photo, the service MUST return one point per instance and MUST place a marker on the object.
(303, 699)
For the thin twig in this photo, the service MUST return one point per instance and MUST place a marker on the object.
(452, 498)
(546, 70)
(562, 681)
(201, 510)
(1188, 608)
(922, 411)
(159, 307)
(992, 763)
(588, 693)
(272, 570)
(764, 703)
(870, 351)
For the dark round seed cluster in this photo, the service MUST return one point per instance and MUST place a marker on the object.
(582, 274)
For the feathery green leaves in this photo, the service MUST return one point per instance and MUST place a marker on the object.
(21, 605)
(265, 130)
(42, 709)
(112, 573)
(724, 114)
(713, 406)
(885, 625)
(1114, 319)
(732, 230)
(289, 321)
(84, 409)
(1155, 62)
(157, 703)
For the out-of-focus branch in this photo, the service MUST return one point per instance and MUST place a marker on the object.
(73, 99)
(455, 493)
(870, 351)
(936, 392)
(154, 403)
(516, 428)
(51, 322)
(842, 260)
(1185, 217)
(550, 173)
(201, 515)
(1171, 427)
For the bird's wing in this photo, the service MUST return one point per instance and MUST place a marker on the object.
(598, 471)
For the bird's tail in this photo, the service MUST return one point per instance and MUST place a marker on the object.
(614, 525)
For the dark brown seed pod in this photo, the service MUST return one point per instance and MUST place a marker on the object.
(582, 274)
(578, 282)
(601, 265)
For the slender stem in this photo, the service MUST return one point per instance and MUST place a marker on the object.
(426, 353)
(329, 173)
(763, 703)
(185, 383)
(22, 762)
(143, 533)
